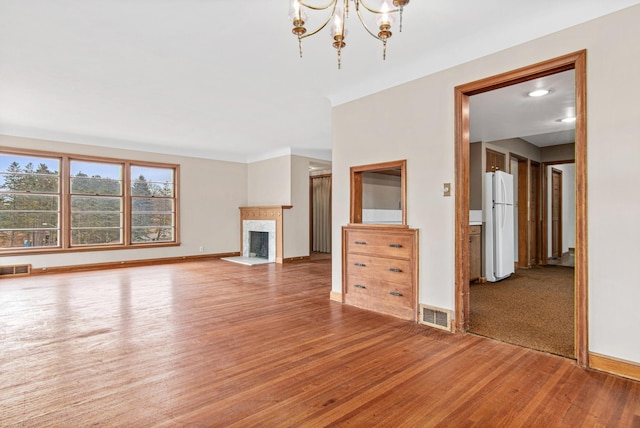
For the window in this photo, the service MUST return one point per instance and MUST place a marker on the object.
(30, 201)
(56, 202)
(96, 203)
(152, 204)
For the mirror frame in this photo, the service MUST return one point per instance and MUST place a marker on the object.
(355, 216)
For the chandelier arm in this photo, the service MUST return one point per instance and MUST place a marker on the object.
(375, 36)
(324, 24)
(327, 6)
(372, 10)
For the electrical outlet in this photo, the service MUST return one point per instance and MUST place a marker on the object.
(446, 189)
(201, 248)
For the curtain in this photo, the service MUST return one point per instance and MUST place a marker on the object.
(321, 215)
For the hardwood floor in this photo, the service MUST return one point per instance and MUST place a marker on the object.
(213, 343)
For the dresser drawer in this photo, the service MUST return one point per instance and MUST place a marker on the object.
(381, 244)
(385, 269)
(380, 296)
(377, 287)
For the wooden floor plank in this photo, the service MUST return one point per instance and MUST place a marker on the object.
(213, 343)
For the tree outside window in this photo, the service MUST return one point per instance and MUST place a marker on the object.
(29, 201)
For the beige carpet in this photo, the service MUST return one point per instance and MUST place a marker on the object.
(532, 308)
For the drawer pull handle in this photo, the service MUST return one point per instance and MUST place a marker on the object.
(395, 270)
(395, 293)
(359, 286)
(395, 245)
(360, 243)
(360, 264)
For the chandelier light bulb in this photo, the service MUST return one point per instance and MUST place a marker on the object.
(385, 18)
(336, 30)
(297, 14)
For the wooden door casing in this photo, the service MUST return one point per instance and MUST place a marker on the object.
(556, 213)
(534, 215)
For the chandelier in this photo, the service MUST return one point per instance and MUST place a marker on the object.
(339, 12)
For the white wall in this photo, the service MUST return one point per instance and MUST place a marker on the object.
(419, 117)
(269, 182)
(381, 191)
(210, 194)
(296, 220)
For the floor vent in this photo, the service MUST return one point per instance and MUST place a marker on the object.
(435, 317)
(15, 270)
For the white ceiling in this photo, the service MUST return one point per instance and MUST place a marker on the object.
(222, 79)
(511, 113)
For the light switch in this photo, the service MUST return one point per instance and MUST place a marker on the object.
(446, 189)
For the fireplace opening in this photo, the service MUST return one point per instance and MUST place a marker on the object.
(259, 244)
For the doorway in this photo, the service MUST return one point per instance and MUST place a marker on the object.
(320, 216)
(577, 62)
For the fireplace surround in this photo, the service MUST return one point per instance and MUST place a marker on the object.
(264, 219)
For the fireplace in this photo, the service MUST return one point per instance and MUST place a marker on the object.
(259, 244)
(263, 219)
(259, 239)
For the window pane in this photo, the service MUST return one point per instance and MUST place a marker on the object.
(96, 236)
(152, 220)
(29, 238)
(26, 202)
(96, 220)
(28, 220)
(29, 174)
(93, 178)
(151, 234)
(157, 219)
(95, 203)
(148, 181)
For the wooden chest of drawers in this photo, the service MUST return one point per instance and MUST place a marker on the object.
(380, 269)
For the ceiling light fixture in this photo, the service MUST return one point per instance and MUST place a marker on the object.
(539, 92)
(568, 119)
(339, 13)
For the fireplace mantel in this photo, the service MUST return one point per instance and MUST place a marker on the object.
(270, 212)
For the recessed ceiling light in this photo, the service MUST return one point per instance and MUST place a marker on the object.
(539, 92)
(568, 119)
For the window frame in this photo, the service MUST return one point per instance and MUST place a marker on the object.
(65, 204)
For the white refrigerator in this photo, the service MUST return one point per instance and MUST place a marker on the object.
(498, 223)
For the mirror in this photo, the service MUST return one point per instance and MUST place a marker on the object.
(378, 194)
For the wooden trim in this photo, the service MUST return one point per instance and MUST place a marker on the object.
(461, 275)
(576, 61)
(535, 217)
(296, 259)
(336, 297)
(380, 226)
(523, 184)
(559, 231)
(266, 212)
(355, 213)
(128, 263)
(614, 366)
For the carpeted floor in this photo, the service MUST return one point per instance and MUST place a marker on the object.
(532, 308)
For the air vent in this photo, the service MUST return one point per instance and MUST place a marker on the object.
(435, 317)
(15, 270)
